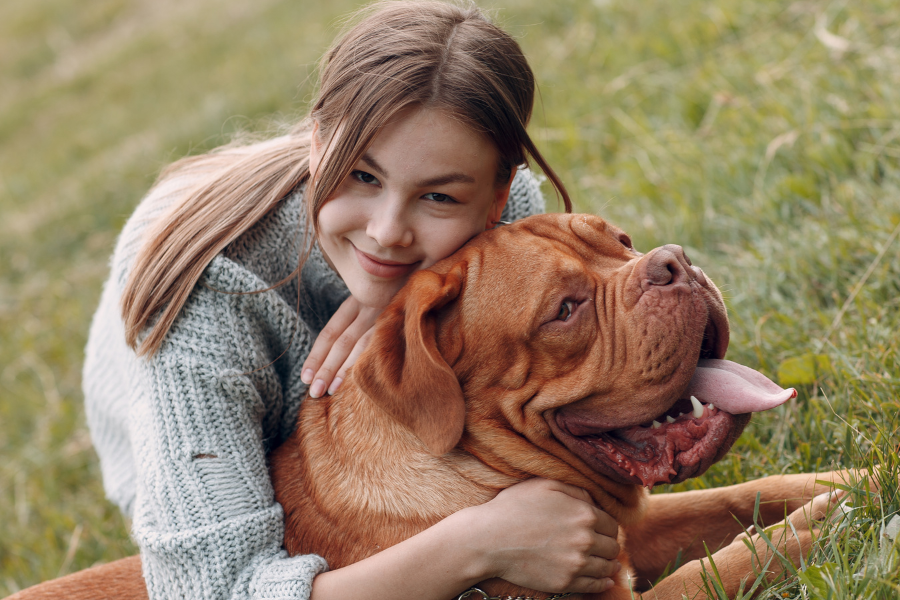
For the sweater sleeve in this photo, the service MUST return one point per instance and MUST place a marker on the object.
(206, 411)
(525, 197)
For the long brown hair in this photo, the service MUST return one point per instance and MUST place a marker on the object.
(398, 54)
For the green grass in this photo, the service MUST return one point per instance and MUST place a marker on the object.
(762, 136)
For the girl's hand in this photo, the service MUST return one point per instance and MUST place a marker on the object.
(548, 536)
(338, 346)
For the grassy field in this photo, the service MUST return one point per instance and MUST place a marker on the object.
(763, 136)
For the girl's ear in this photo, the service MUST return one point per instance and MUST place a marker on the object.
(501, 196)
(402, 370)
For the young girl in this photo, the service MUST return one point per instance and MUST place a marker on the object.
(254, 273)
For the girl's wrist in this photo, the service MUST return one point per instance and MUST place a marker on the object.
(447, 558)
(469, 534)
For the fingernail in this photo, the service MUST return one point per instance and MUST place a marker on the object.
(608, 583)
(617, 566)
(307, 376)
(335, 385)
(317, 388)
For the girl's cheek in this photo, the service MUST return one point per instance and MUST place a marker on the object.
(453, 237)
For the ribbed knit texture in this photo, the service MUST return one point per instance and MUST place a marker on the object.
(183, 436)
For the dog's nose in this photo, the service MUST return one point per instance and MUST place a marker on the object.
(667, 265)
(666, 269)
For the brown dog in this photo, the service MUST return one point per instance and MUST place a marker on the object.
(546, 348)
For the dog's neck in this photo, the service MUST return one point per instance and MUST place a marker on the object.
(402, 471)
(507, 452)
(375, 483)
(340, 434)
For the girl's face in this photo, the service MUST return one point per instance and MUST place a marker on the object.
(425, 186)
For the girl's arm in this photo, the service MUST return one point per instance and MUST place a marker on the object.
(182, 435)
(204, 410)
(540, 534)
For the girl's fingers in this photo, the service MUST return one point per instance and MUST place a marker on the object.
(595, 577)
(606, 526)
(337, 355)
(342, 319)
(605, 547)
(342, 348)
(351, 360)
(550, 536)
(568, 489)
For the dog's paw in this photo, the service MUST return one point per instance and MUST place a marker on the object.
(794, 536)
(830, 506)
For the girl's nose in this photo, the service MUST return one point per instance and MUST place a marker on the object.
(390, 227)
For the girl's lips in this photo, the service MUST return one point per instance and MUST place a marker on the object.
(387, 269)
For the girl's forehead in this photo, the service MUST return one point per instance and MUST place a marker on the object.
(432, 139)
(429, 122)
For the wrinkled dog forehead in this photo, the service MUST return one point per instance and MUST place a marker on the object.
(520, 276)
(549, 246)
(602, 237)
(589, 237)
(514, 274)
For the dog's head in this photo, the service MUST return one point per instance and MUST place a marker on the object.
(552, 347)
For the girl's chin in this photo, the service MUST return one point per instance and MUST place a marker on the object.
(376, 298)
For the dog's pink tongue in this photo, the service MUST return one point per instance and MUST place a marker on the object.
(736, 389)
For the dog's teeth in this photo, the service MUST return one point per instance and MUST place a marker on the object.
(670, 419)
(698, 408)
(681, 414)
(656, 424)
(711, 407)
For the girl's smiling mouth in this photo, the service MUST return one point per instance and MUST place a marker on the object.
(379, 267)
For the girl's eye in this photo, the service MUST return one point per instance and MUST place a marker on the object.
(364, 177)
(438, 197)
(565, 311)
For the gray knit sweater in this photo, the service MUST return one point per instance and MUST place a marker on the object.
(183, 436)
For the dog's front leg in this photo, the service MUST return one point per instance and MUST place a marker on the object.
(738, 563)
(676, 526)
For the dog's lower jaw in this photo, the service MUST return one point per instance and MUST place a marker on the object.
(665, 453)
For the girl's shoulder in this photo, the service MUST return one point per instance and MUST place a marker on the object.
(525, 196)
(176, 184)
(272, 250)
(162, 198)
(273, 247)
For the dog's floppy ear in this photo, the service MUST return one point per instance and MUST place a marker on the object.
(402, 370)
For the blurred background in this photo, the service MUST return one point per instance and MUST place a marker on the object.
(763, 136)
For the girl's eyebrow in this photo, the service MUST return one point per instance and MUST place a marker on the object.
(445, 179)
(434, 181)
(367, 158)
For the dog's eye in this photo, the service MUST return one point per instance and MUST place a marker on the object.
(566, 310)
